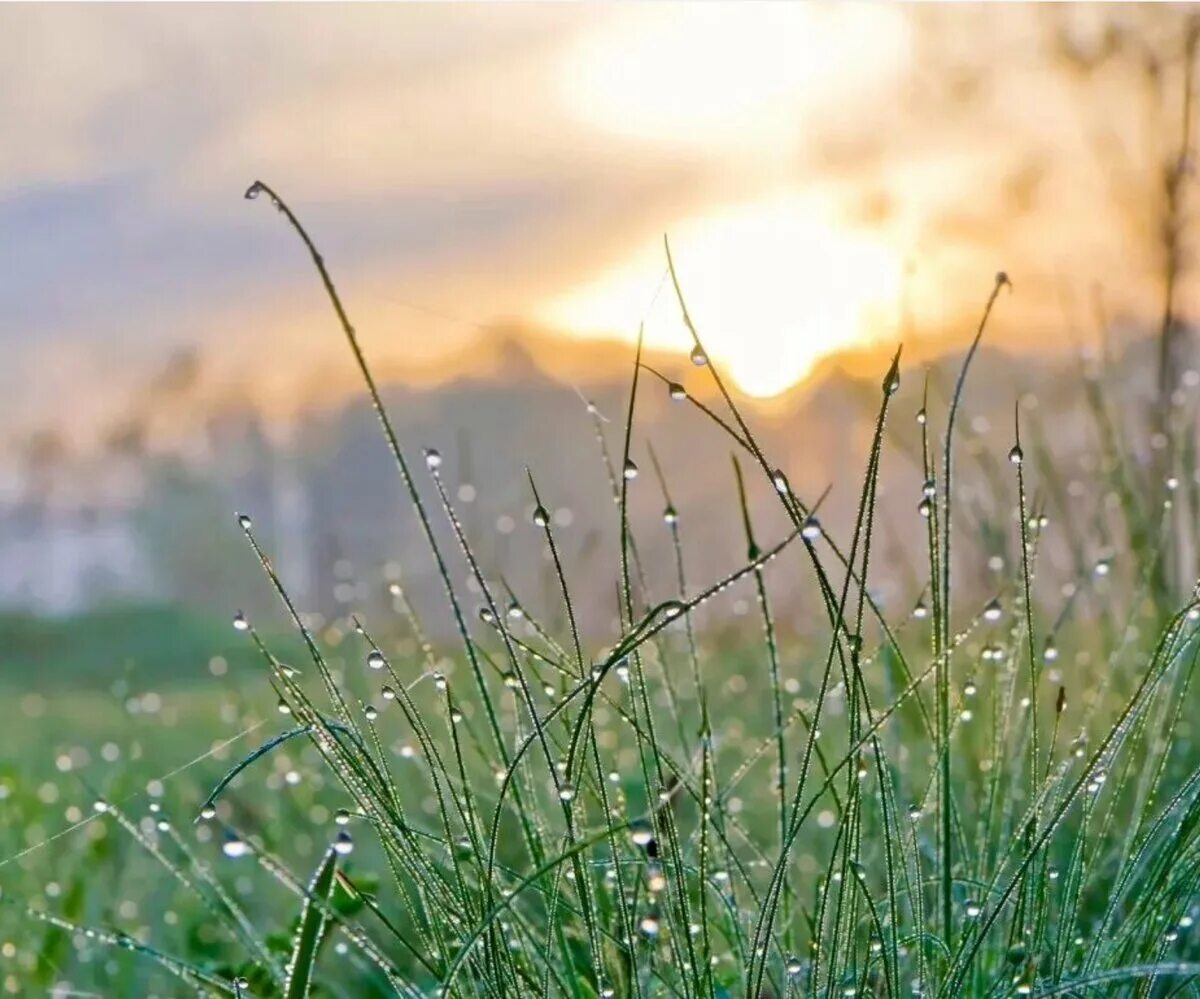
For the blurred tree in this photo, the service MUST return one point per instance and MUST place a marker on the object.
(1151, 52)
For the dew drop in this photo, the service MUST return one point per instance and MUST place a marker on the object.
(370, 712)
(235, 847)
(244, 521)
(375, 659)
(388, 694)
(343, 843)
(676, 391)
(566, 793)
(240, 623)
(630, 471)
(541, 516)
(433, 459)
(1016, 455)
(925, 508)
(921, 611)
(670, 515)
(993, 611)
(794, 966)
(811, 529)
(698, 357)
(649, 924)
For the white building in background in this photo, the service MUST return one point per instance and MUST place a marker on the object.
(62, 561)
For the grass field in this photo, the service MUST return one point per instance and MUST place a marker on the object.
(975, 794)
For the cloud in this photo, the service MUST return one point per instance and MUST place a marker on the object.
(481, 162)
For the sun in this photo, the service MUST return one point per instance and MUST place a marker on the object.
(772, 287)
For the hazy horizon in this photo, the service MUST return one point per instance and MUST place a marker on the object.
(832, 179)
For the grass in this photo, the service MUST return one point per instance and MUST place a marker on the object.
(984, 795)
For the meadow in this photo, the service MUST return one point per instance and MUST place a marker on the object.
(968, 793)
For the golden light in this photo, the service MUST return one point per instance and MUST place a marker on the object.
(701, 74)
(772, 286)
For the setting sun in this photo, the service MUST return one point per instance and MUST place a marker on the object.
(772, 287)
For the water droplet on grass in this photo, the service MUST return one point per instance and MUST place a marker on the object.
(234, 847)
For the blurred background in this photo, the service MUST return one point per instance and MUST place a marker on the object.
(490, 186)
(491, 193)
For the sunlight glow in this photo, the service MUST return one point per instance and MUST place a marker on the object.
(772, 287)
(700, 74)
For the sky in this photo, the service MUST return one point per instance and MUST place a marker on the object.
(830, 177)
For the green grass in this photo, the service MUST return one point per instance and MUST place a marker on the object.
(980, 794)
